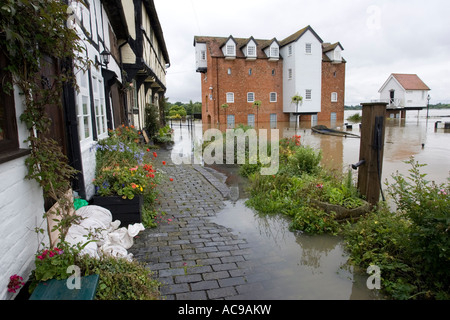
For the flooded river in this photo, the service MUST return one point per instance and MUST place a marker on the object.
(293, 265)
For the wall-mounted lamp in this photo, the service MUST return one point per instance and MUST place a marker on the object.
(105, 55)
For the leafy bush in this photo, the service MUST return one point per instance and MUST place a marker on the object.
(120, 279)
(313, 220)
(411, 246)
(305, 159)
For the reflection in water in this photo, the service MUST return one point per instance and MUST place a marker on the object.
(292, 265)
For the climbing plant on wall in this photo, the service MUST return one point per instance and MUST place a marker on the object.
(31, 30)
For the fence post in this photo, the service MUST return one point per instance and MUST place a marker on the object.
(371, 151)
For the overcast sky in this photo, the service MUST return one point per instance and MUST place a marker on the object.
(379, 38)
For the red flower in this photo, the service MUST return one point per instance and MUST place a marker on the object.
(171, 179)
(148, 150)
(154, 154)
(164, 163)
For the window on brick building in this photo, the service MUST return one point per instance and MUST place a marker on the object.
(230, 97)
(251, 120)
(231, 50)
(230, 121)
(273, 120)
(229, 71)
(273, 97)
(334, 97)
(273, 72)
(251, 51)
(250, 97)
(250, 71)
(308, 94)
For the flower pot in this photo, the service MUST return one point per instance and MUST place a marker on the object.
(343, 213)
(126, 210)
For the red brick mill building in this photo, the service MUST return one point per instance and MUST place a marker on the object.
(238, 71)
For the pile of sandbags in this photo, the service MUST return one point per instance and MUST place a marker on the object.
(100, 235)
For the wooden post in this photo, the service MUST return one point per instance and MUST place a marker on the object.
(371, 150)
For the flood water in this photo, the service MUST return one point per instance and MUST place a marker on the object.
(294, 265)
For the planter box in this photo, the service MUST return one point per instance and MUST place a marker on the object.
(57, 289)
(125, 210)
(343, 213)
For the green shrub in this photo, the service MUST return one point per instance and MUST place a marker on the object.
(305, 159)
(120, 279)
(313, 220)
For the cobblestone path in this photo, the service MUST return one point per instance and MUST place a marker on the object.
(194, 258)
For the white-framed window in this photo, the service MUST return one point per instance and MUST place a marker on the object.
(84, 119)
(308, 48)
(101, 121)
(251, 51)
(203, 55)
(290, 74)
(250, 97)
(273, 97)
(251, 119)
(308, 94)
(290, 50)
(333, 116)
(231, 50)
(230, 97)
(334, 97)
(273, 120)
(274, 52)
(229, 71)
(230, 121)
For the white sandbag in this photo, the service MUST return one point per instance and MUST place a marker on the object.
(93, 211)
(134, 229)
(116, 251)
(121, 238)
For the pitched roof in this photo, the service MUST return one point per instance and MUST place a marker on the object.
(295, 36)
(410, 81)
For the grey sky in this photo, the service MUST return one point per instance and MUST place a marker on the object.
(379, 38)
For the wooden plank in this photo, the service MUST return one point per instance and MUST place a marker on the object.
(368, 174)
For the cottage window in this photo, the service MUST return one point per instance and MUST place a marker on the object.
(308, 94)
(308, 47)
(250, 97)
(230, 97)
(83, 108)
(273, 97)
(99, 106)
(8, 132)
(334, 97)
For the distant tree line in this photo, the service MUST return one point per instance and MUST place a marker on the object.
(432, 106)
(183, 109)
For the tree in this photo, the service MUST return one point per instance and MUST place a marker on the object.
(257, 104)
(297, 99)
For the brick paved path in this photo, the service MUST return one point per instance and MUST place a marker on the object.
(194, 258)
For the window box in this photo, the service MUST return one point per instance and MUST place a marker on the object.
(126, 210)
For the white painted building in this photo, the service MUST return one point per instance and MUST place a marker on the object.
(404, 91)
(302, 71)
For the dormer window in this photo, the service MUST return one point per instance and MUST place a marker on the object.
(274, 52)
(251, 51)
(231, 50)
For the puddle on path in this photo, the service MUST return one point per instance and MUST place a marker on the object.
(289, 265)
